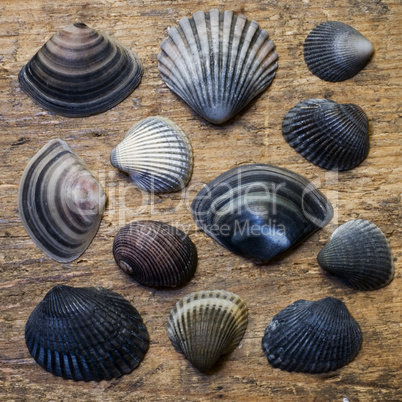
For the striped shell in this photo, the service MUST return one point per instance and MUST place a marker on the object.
(60, 202)
(156, 154)
(217, 62)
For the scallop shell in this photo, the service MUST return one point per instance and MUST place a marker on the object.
(205, 325)
(155, 254)
(312, 337)
(80, 72)
(217, 62)
(359, 253)
(86, 334)
(328, 134)
(156, 154)
(60, 202)
(260, 211)
(335, 51)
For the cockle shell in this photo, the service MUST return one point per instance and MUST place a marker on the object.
(217, 62)
(359, 253)
(312, 337)
(86, 334)
(155, 253)
(156, 154)
(80, 72)
(60, 202)
(207, 324)
(328, 134)
(260, 211)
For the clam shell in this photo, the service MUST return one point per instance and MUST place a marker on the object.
(217, 62)
(335, 51)
(260, 211)
(60, 202)
(207, 324)
(312, 337)
(86, 334)
(359, 253)
(156, 154)
(155, 254)
(80, 72)
(328, 134)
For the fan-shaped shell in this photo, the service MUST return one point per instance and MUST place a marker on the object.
(86, 334)
(155, 253)
(260, 211)
(312, 337)
(80, 71)
(328, 134)
(217, 62)
(156, 154)
(359, 253)
(207, 324)
(335, 51)
(60, 202)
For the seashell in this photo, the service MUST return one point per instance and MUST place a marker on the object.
(205, 325)
(312, 337)
(80, 71)
(260, 211)
(155, 254)
(335, 51)
(60, 202)
(156, 154)
(86, 334)
(359, 253)
(217, 63)
(328, 134)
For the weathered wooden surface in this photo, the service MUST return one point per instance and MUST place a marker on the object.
(371, 191)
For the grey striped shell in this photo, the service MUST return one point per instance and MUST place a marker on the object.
(217, 62)
(328, 134)
(155, 253)
(359, 253)
(80, 72)
(86, 334)
(207, 324)
(312, 337)
(60, 202)
(156, 154)
(335, 51)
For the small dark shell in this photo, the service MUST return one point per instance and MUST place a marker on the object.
(312, 337)
(86, 334)
(155, 253)
(328, 134)
(359, 253)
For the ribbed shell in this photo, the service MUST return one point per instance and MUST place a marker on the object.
(60, 202)
(335, 51)
(217, 62)
(207, 324)
(156, 154)
(359, 253)
(155, 254)
(328, 134)
(80, 72)
(312, 337)
(86, 334)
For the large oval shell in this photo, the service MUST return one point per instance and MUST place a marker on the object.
(60, 202)
(207, 324)
(80, 72)
(217, 62)
(359, 253)
(260, 211)
(328, 134)
(86, 334)
(155, 253)
(312, 337)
